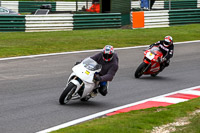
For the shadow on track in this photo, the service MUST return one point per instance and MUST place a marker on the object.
(84, 104)
(155, 78)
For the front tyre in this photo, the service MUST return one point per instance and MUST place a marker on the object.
(140, 70)
(67, 93)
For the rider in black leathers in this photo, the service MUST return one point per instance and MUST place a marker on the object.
(167, 48)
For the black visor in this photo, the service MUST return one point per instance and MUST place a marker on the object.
(107, 56)
(167, 43)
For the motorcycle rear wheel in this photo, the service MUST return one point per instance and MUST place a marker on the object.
(140, 70)
(67, 94)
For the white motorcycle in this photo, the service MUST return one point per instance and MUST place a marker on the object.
(81, 82)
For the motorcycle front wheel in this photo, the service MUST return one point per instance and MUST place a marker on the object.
(66, 95)
(140, 70)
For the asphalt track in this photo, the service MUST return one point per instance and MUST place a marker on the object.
(30, 87)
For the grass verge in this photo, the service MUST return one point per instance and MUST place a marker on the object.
(142, 121)
(23, 43)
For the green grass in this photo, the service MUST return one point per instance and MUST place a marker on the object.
(24, 43)
(140, 121)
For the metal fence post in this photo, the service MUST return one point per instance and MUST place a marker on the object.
(149, 4)
(76, 5)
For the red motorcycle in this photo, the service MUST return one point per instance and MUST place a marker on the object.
(151, 63)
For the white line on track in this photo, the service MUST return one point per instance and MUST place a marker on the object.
(77, 121)
(85, 51)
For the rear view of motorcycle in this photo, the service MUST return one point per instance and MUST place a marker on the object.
(81, 83)
(151, 63)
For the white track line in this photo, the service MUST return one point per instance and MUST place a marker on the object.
(192, 92)
(85, 51)
(169, 100)
(77, 121)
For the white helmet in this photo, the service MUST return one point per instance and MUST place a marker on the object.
(168, 41)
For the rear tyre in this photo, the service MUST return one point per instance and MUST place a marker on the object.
(140, 70)
(154, 75)
(67, 93)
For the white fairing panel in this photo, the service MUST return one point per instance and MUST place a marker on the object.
(83, 73)
(88, 88)
(150, 56)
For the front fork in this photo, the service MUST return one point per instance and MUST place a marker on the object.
(78, 82)
(149, 64)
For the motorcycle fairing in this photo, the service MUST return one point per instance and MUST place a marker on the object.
(83, 73)
(152, 58)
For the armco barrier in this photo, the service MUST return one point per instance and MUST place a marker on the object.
(59, 22)
(155, 19)
(100, 20)
(10, 5)
(150, 19)
(165, 18)
(177, 17)
(181, 4)
(35, 23)
(12, 23)
(198, 3)
(71, 6)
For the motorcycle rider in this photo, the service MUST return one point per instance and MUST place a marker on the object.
(109, 61)
(167, 48)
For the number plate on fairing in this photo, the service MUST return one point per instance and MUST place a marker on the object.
(87, 72)
(150, 56)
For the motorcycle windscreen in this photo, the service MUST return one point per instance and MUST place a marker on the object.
(86, 69)
(91, 64)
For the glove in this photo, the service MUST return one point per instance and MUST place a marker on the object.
(150, 46)
(97, 77)
(78, 62)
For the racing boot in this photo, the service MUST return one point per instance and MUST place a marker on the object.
(164, 64)
(94, 93)
(103, 90)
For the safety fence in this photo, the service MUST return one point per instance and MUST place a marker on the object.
(36, 23)
(59, 22)
(12, 23)
(71, 6)
(102, 20)
(164, 18)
